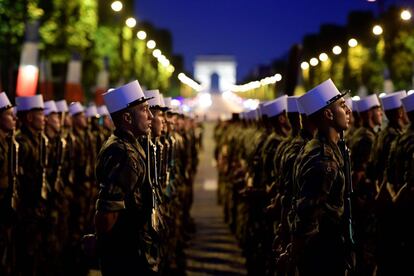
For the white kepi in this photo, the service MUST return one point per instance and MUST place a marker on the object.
(320, 97)
(123, 97)
(275, 107)
(76, 108)
(4, 101)
(62, 106)
(393, 100)
(50, 107)
(367, 103)
(154, 96)
(29, 103)
(408, 102)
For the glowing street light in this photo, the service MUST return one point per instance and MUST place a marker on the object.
(141, 35)
(352, 42)
(323, 57)
(116, 6)
(278, 77)
(314, 61)
(156, 53)
(170, 68)
(377, 30)
(405, 15)
(151, 44)
(336, 50)
(304, 65)
(131, 22)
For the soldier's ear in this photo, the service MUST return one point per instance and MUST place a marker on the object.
(126, 117)
(328, 114)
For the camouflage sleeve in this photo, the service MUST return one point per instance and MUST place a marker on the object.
(116, 172)
(361, 153)
(316, 183)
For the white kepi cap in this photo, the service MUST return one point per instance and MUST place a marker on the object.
(275, 107)
(167, 102)
(91, 111)
(155, 95)
(62, 106)
(29, 103)
(4, 101)
(349, 103)
(292, 104)
(50, 107)
(367, 103)
(75, 108)
(408, 102)
(124, 97)
(319, 97)
(393, 100)
(103, 111)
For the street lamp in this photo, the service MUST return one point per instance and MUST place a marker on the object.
(377, 30)
(352, 42)
(405, 15)
(304, 65)
(323, 57)
(336, 50)
(151, 44)
(156, 53)
(314, 61)
(141, 35)
(131, 22)
(116, 6)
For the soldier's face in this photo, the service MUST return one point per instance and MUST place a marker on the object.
(53, 122)
(341, 114)
(36, 119)
(141, 119)
(376, 115)
(157, 123)
(79, 120)
(7, 120)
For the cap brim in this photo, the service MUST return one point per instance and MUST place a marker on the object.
(337, 97)
(139, 101)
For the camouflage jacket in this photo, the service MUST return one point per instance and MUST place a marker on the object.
(121, 175)
(320, 184)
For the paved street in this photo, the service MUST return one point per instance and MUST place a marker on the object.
(213, 250)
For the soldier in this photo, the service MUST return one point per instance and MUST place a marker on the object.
(34, 189)
(8, 185)
(123, 208)
(319, 180)
(285, 182)
(364, 190)
(400, 173)
(105, 121)
(387, 234)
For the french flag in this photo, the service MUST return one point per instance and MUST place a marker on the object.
(45, 82)
(102, 82)
(73, 88)
(28, 74)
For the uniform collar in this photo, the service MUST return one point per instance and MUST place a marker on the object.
(130, 138)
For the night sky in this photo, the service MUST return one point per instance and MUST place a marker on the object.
(255, 32)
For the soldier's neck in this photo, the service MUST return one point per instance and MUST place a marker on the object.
(3, 134)
(368, 124)
(330, 133)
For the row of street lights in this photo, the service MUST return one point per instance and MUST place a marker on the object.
(337, 50)
(156, 53)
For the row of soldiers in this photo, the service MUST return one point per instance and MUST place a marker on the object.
(274, 195)
(49, 190)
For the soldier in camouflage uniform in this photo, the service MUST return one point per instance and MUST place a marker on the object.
(125, 200)
(319, 180)
(400, 186)
(364, 190)
(33, 190)
(7, 212)
(285, 183)
(387, 233)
